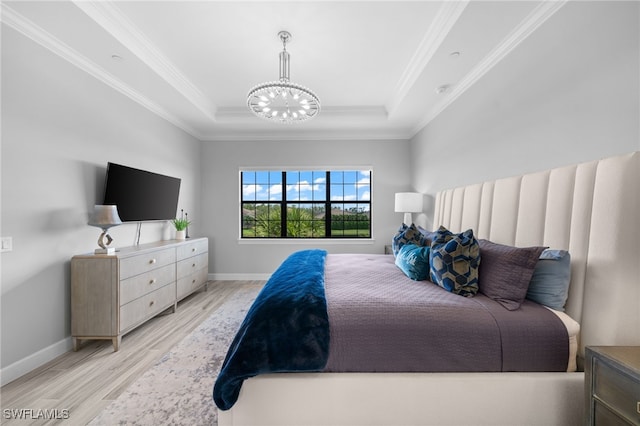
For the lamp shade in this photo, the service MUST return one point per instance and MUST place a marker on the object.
(408, 202)
(104, 217)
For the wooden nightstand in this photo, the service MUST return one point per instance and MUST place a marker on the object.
(612, 385)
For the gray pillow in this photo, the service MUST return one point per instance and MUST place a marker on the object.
(505, 272)
(549, 284)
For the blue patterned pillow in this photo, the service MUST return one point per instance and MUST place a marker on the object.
(549, 284)
(429, 235)
(405, 235)
(454, 260)
(414, 261)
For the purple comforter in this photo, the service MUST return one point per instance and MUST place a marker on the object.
(380, 320)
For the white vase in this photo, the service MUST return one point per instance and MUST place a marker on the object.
(181, 235)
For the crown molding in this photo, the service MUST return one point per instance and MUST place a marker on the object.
(445, 19)
(32, 31)
(288, 133)
(110, 17)
(531, 23)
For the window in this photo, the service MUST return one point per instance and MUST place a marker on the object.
(306, 204)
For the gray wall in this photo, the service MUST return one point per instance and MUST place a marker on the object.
(60, 127)
(230, 258)
(551, 102)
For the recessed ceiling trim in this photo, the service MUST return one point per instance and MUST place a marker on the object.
(110, 17)
(32, 31)
(445, 19)
(357, 112)
(316, 135)
(536, 18)
(227, 115)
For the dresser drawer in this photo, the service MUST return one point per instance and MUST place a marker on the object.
(144, 283)
(617, 390)
(606, 417)
(188, 284)
(139, 264)
(189, 266)
(192, 249)
(146, 306)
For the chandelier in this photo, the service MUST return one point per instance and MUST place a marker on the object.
(283, 101)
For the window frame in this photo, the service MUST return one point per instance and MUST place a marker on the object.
(326, 202)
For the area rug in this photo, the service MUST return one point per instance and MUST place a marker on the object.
(178, 389)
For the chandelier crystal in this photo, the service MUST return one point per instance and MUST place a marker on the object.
(283, 101)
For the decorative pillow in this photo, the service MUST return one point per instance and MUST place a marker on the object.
(429, 235)
(405, 235)
(506, 271)
(454, 261)
(413, 260)
(549, 284)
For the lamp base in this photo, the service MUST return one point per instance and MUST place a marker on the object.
(408, 220)
(108, 250)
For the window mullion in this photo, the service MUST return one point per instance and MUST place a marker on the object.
(283, 206)
(327, 205)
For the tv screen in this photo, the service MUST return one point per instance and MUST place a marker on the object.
(141, 195)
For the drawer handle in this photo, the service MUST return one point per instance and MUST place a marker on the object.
(152, 261)
(193, 249)
(193, 265)
(152, 281)
(638, 407)
(194, 281)
(151, 303)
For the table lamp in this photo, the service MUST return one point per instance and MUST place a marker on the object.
(104, 217)
(407, 203)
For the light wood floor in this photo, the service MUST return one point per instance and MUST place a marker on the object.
(86, 381)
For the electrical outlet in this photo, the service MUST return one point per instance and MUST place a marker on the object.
(7, 244)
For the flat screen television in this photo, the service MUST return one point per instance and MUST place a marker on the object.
(141, 195)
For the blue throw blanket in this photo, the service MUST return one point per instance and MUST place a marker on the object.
(285, 330)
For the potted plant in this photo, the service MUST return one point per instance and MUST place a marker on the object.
(181, 227)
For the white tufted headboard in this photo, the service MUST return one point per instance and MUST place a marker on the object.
(592, 210)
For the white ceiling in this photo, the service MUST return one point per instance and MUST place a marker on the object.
(375, 65)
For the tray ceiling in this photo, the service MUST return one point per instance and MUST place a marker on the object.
(382, 69)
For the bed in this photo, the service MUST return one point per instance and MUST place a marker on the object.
(590, 209)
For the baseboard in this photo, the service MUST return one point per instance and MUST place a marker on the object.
(33, 361)
(239, 277)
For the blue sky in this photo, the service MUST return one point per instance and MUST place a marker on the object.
(346, 185)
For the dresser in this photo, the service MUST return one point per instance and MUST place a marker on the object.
(113, 294)
(612, 385)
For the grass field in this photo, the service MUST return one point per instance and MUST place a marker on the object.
(347, 233)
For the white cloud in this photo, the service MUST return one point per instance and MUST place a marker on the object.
(251, 189)
(275, 189)
(302, 186)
